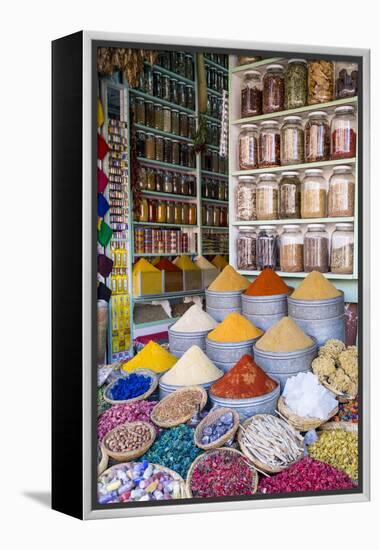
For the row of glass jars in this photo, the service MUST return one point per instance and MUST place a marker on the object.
(180, 63)
(150, 179)
(164, 211)
(216, 80)
(214, 106)
(216, 216)
(213, 162)
(148, 240)
(294, 252)
(301, 83)
(213, 188)
(219, 58)
(272, 145)
(168, 150)
(213, 131)
(269, 199)
(164, 118)
(162, 86)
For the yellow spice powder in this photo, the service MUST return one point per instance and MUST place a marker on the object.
(152, 357)
(234, 328)
(315, 287)
(185, 263)
(228, 281)
(219, 262)
(285, 335)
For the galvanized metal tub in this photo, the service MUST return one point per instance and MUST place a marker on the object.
(283, 365)
(264, 311)
(220, 304)
(322, 319)
(250, 406)
(226, 354)
(166, 389)
(180, 342)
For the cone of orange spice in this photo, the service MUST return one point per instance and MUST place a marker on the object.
(244, 380)
(268, 283)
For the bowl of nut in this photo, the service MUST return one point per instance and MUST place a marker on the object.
(129, 441)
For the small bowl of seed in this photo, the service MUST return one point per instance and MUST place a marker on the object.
(129, 441)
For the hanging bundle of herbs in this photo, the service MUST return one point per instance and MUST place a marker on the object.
(127, 60)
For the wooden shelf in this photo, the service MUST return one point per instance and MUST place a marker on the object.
(291, 167)
(292, 221)
(302, 110)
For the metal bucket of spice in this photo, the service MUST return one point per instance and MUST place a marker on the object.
(250, 406)
(220, 304)
(321, 319)
(226, 354)
(264, 311)
(283, 365)
(180, 342)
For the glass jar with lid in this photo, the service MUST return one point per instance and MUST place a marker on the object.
(183, 154)
(342, 249)
(157, 84)
(152, 208)
(142, 177)
(178, 212)
(192, 214)
(141, 141)
(216, 217)
(209, 214)
(185, 213)
(158, 117)
(148, 82)
(251, 94)
(176, 183)
(182, 100)
(170, 212)
(291, 141)
(317, 137)
(167, 119)
(289, 195)
(247, 249)
(291, 249)
(267, 197)
(175, 152)
(150, 146)
(174, 90)
(224, 217)
(183, 125)
(159, 148)
(320, 81)
(269, 144)
(190, 98)
(273, 89)
(188, 66)
(191, 186)
(205, 188)
(314, 194)
(316, 249)
(143, 211)
(267, 247)
(296, 84)
(191, 126)
(221, 190)
(248, 147)
(162, 212)
(346, 79)
(150, 180)
(167, 182)
(150, 114)
(341, 192)
(167, 150)
(246, 198)
(175, 121)
(184, 185)
(215, 161)
(164, 59)
(140, 110)
(343, 130)
(180, 63)
(159, 181)
(166, 88)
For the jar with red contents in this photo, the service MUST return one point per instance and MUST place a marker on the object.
(344, 134)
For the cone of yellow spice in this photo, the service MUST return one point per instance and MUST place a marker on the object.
(229, 281)
(315, 287)
(152, 357)
(235, 328)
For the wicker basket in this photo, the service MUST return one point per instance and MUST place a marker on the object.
(175, 421)
(174, 475)
(298, 422)
(346, 426)
(211, 418)
(265, 468)
(152, 388)
(103, 464)
(130, 455)
(222, 450)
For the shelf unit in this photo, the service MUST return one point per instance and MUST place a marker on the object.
(150, 130)
(164, 195)
(347, 283)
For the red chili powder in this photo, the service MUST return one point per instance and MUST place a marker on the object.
(244, 380)
(268, 283)
(166, 265)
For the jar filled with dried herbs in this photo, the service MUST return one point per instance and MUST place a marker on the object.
(150, 146)
(158, 117)
(289, 195)
(150, 114)
(314, 194)
(317, 137)
(291, 249)
(140, 110)
(248, 147)
(341, 192)
(342, 250)
(320, 81)
(316, 249)
(296, 84)
(246, 198)
(346, 79)
(247, 249)
(291, 141)
(267, 197)
(273, 89)
(251, 94)
(267, 247)
(269, 144)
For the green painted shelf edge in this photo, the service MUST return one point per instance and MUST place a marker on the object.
(210, 91)
(255, 65)
(290, 167)
(215, 65)
(290, 112)
(158, 224)
(214, 228)
(171, 74)
(214, 174)
(165, 254)
(173, 167)
(149, 97)
(168, 295)
(155, 323)
(292, 221)
(301, 275)
(150, 130)
(211, 119)
(168, 195)
(216, 201)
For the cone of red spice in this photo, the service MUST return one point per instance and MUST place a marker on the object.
(244, 380)
(166, 265)
(268, 283)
